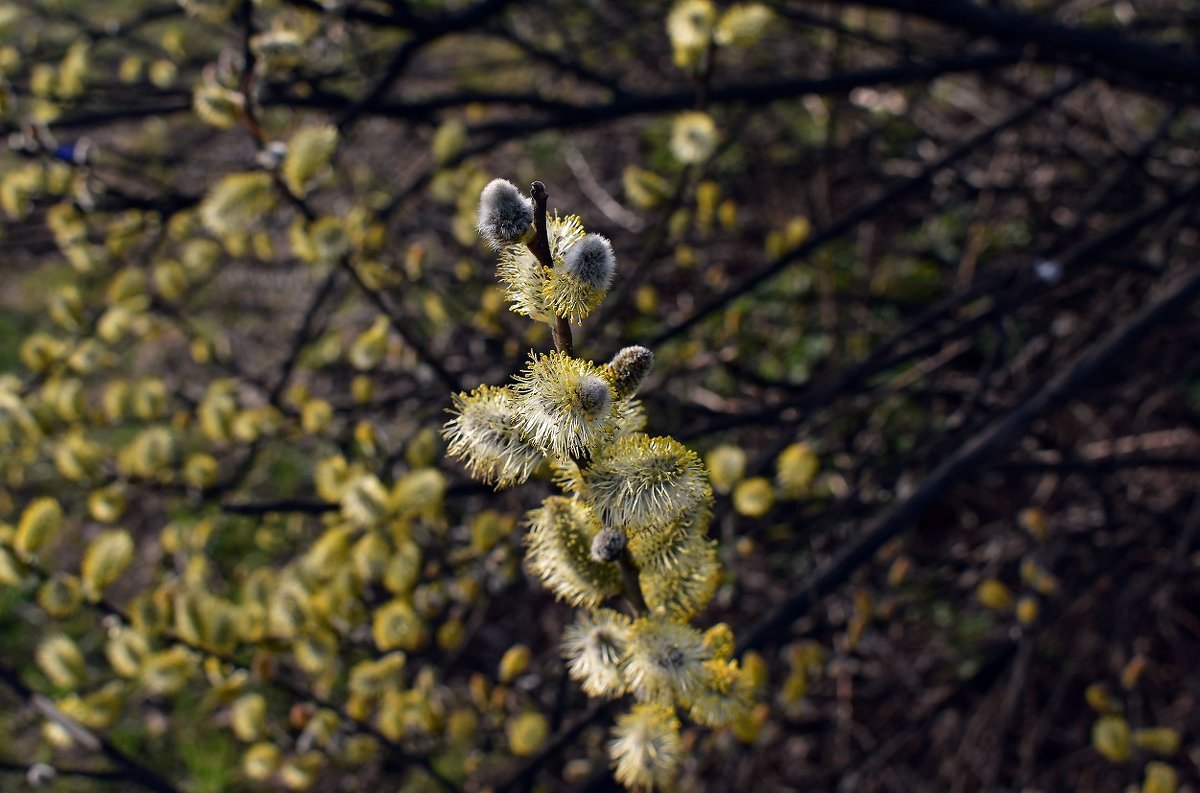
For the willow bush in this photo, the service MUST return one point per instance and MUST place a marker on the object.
(329, 461)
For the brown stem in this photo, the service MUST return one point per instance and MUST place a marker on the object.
(561, 333)
(560, 328)
(246, 111)
(632, 584)
(540, 244)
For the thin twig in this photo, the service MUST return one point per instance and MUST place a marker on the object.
(560, 328)
(632, 583)
(133, 770)
(773, 627)
(1056, 43)
(849, 221)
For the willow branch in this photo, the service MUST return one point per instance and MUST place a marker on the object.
(1122, 54)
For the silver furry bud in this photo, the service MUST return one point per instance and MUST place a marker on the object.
(594, 396)
(505, 214)
(41, 775)
(591, 261)
(608, 544)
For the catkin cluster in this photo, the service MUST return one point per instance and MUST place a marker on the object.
(632, 517)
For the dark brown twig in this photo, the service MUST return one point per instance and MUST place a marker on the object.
(632, 584)
(560, 328)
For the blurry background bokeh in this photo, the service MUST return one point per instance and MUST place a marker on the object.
(919, 278)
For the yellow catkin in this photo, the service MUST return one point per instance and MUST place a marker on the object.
(1111, 738)
(105, 559)
(526, 733)
(40, 523)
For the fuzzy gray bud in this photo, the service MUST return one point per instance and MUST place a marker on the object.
(591, 261)
(628, 369)
(41, 775)
(608, 544)
(594, 396)
(505, 214)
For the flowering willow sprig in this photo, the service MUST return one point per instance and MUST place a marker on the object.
(634, 514)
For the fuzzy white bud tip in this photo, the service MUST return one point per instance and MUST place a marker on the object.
(591, 261)
(505, 214)
(594, 396)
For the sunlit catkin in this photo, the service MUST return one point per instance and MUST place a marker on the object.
(61, 660)
(40, 523)
(484, 435)
(564, 405)
(308, 152)
(646, 748)
(560, 538)
(60, 595)
(628, 369)
(575, 289)
(642, 482)
(105, 559)
(594, 647)
(527, 281)
(664, 661)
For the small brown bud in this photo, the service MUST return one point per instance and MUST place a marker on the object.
(628, 368)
